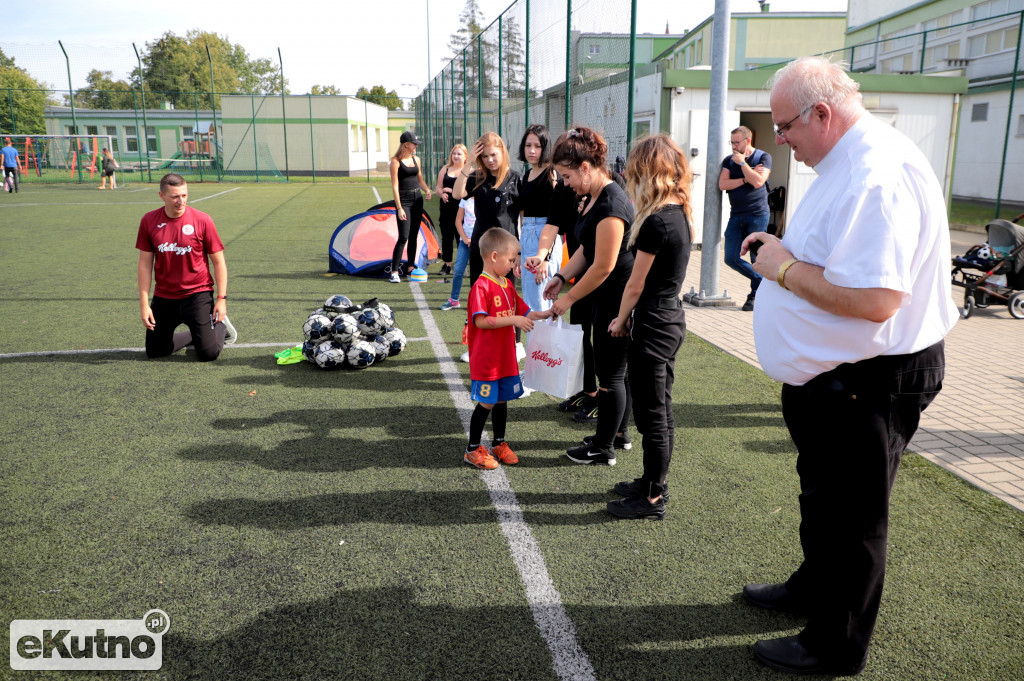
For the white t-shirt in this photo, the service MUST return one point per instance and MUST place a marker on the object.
(469, 217)
(874, 217)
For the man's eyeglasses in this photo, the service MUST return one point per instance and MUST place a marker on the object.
(780, 130)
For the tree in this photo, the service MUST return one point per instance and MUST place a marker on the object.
(22, 100)
(175, 67)
(465, 40)
(378, 95)
(324, 90)
(513, 56)
(104, 92)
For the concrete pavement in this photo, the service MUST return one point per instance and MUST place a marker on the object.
(975, 428)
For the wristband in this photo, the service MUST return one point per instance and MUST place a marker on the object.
(222, 297)
(780, 276)
(547, 258)
(559, 275)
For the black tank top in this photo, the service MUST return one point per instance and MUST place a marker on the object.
(449, 210)
(408, 176)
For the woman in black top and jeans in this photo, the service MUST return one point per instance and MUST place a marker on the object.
(406, 181)
(651, 313)
(602, 263)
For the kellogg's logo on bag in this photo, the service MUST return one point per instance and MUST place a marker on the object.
(541, 356)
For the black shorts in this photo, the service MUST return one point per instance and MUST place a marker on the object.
(195, 312)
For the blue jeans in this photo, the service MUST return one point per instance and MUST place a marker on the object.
(459, 269)
(533, 293)
(739, 228)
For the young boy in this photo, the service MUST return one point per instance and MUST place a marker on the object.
(495, 310)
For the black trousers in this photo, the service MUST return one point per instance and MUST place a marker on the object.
(610, 360)
(850, 426)
(194, 312)
(582, 313)
(656, 337)
(408, 229)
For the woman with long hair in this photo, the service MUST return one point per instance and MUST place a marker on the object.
(495, 188)
(602, 265)
(446, 178)
(109, 166)
(658, 179)
(536, 199)
(406, 182)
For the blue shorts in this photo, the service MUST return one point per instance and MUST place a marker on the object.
(493, 392)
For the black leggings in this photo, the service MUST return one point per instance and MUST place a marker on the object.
(610, 354)
(409, 228)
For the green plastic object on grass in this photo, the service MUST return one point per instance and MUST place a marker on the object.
(290, 355)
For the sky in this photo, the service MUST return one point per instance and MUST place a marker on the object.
(346, 43)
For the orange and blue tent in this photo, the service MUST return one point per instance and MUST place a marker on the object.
(363, 244)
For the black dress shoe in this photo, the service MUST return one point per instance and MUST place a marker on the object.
(773, 597)
(787, 654)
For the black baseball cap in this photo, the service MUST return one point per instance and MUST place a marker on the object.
(410, 136)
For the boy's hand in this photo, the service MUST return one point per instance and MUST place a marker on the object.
(541, 314)
(523, 323)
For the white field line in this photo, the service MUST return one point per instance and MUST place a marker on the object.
(111, 351)
(227, 191)
(570, 661)
(376, 194)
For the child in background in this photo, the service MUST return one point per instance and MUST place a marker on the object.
(464, 221)
(496, 310)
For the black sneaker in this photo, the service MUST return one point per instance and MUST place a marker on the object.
(582, 454)
(621, 441)
(636, 489)
(587, 412)
(749, 305)
(445, 270)
(573, 403)
(634, 508)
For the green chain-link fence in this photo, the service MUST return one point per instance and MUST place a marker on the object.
(525, 67)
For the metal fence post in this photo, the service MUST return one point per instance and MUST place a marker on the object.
(465, 107)
(501, 80)
(366, 135)
(144, 137)
(71, 96)
(312, 148)
(284, 118)
(632, 78)
(255, 151)
(1009, 112)
(195, 131)
(526, 85)
(135, 106)
(215, 135)
(479, 84)
(568, 61)
(10, 101)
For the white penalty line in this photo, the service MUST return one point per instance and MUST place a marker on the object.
(570, 661)
(376, 194)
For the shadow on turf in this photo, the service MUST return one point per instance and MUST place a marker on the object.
(390, 633)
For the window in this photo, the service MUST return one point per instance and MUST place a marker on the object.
(131, 138)
(992, 42)
(994, 8)
(111, 131)
(92, 130)
(595, 49)
(941, 54)
(151, 139)
(186, 132)
(900, 64)
(377, 139)
(899, 40)
(71, 129)
(939, 27)
(979, 112)
(1020, 126)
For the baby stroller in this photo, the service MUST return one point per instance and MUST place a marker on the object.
(1001, 266)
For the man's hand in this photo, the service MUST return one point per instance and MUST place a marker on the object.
(148, 320)
(220, 310)
(770, 255)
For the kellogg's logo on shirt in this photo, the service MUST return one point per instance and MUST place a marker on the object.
(174, 248)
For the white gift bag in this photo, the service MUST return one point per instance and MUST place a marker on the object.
(554, 358)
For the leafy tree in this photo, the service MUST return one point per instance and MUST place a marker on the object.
(22, 100)
(324, 90)
(175, 67)
(513, 56)
(104, 92)
(378, 95)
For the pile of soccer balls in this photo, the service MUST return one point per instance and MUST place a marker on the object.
(341, 334)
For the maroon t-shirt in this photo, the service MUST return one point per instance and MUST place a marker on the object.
(181, 246)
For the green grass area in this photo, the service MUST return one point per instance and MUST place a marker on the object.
(303, 524)
(980, 214)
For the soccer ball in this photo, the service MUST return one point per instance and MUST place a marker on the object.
(361, 354)
(387, 315)
(329, 355)
(309, 350)
(396, 341)
(380, 347)
(337, 303)
(345, 329)
(370, 322)
(318, 328)
(983, 252)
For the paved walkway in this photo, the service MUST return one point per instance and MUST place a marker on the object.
(975, 428)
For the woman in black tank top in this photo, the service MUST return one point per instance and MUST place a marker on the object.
(406, 181)
(449, 206)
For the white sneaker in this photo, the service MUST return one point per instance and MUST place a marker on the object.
(526, 391)
(395, 279)
(465, 357)
(520, 352)
(230, 332)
